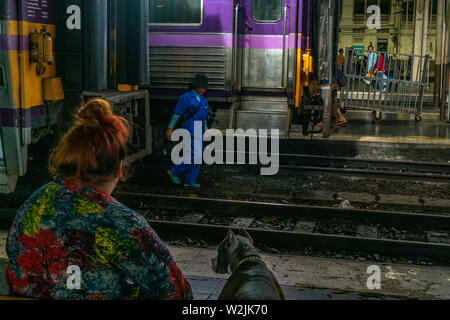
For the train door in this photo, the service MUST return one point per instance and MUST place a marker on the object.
(265, 42)
(263, 28)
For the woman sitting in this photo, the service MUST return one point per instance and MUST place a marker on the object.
(72, 240)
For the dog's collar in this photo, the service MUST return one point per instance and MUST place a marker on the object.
(249, 258)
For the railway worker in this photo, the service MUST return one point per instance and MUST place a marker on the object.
(72, 240)
(192, 107)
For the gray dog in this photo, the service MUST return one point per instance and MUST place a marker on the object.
(250, 279)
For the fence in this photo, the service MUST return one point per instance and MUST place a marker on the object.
(382, 81)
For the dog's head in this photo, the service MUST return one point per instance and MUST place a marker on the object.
(228, 249)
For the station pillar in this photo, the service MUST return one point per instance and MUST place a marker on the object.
(95, 45)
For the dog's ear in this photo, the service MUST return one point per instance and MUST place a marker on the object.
(244, 233)
(230, 236)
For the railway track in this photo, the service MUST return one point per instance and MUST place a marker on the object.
(242, 214)
(367, 167)
(341, 166)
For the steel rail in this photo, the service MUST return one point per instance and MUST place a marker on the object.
(286, 239)
(415, 176)
(293, 240)
(261, 209)
(427, 167)
(426, 171)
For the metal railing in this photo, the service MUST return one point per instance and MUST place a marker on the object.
(393, 82)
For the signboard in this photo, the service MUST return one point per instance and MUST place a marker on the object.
(38, 11)
(358, 50)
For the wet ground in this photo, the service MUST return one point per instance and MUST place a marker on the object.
(408, 129)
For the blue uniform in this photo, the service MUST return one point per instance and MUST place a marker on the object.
(187, 104)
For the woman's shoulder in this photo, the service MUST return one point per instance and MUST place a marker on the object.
(49, 189)
(126, 216)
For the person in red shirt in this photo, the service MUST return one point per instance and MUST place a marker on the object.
(381, 72)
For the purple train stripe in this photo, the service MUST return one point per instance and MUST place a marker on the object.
(10, 118)
(12, 42)
(222, 40)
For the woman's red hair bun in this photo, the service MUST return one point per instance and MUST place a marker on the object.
(92, 150)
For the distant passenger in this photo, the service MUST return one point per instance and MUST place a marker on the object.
(341, 60)
(72, 240)
(342, 82)
(192, 108)
(381, 72)
(371, 65)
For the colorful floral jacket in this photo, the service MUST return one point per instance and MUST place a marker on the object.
(64, 231)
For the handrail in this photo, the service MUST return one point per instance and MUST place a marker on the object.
(283, 68)
(235, 67)
(330, 43)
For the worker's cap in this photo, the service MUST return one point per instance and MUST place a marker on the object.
(200, 81)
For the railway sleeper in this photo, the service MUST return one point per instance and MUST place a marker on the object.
(298, 240)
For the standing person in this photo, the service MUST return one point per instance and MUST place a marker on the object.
(341, 60)
(73, 226)
(351, 68)
(381, 72)
(371, 63)
(193, 109)
(341, 81)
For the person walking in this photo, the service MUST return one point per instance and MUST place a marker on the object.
(192, 110)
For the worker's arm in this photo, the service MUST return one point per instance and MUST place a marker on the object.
(172, 124)
(173, 121)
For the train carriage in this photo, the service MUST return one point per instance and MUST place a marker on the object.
(26, 99)
(255, 52)
(49, 65)
(259, 55)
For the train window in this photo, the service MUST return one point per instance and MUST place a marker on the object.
(176, 12)
(267, 10)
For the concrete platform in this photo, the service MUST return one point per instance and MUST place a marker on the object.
(398, 131)
(210, 289)
(306, 278)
